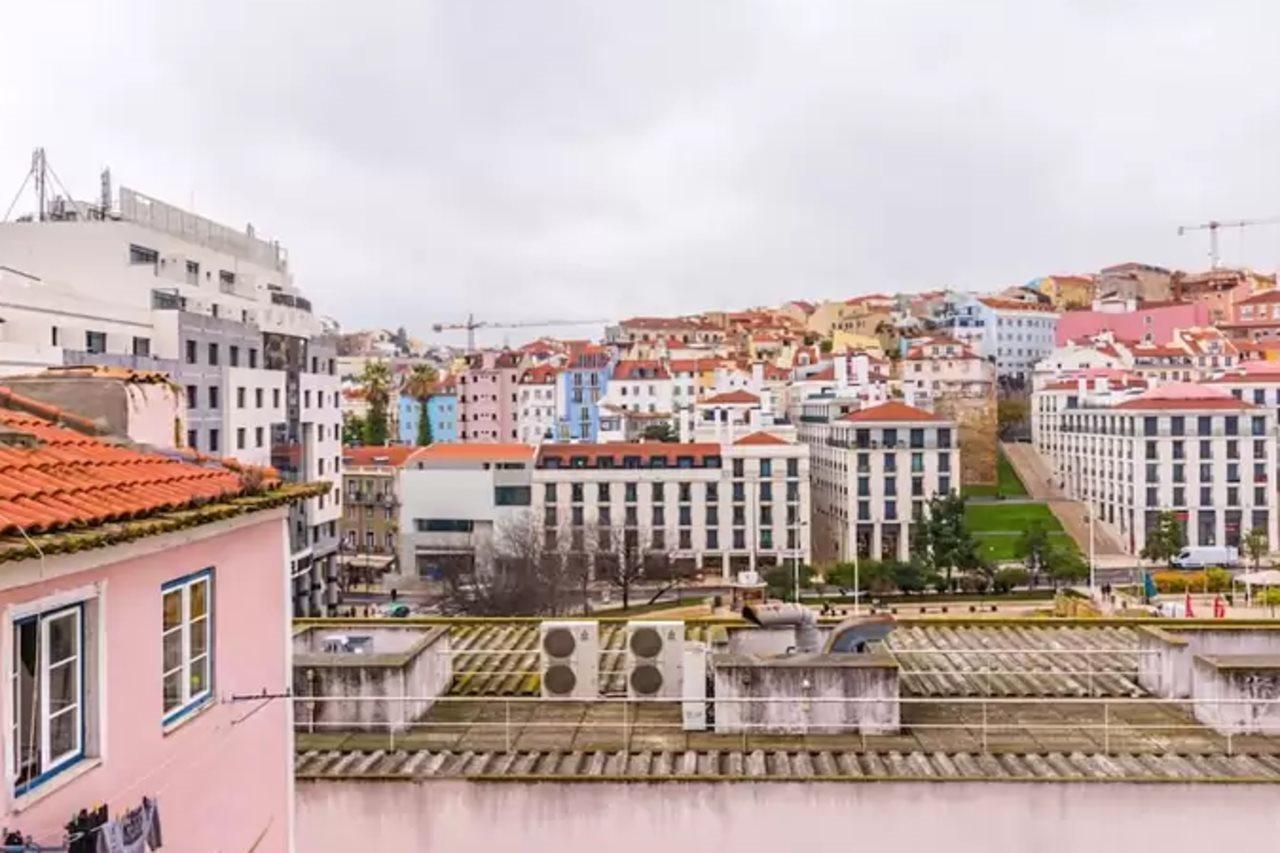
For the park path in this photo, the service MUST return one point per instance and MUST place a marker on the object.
(1036, 475)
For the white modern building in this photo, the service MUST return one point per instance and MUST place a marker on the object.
(455, 500)
(874, 470)
(709, 507)
(1012, 333)
(150, 286)
(1130, 453)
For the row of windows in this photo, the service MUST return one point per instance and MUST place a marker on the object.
(55, 656)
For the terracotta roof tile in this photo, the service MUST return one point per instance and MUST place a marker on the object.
(761, 437)
(744, 397)
(393, 454)
(457, 452)
(891, 411)
(53, 477)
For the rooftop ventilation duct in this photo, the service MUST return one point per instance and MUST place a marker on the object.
(855, 633)
(777, 614)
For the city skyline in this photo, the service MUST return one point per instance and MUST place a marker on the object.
(628, 164)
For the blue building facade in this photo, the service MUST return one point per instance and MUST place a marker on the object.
(582, 383)
(442, 411)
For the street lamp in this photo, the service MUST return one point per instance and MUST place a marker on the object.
(795, 560)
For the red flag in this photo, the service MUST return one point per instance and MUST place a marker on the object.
(1190, 614)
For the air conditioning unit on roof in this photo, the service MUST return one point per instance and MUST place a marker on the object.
(655, 659)
(569, 659)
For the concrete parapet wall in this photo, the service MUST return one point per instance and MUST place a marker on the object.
(1237, 679)
(424, 668)
(791, 693)
(1165, 657)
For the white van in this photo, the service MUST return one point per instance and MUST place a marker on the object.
(1204, 556)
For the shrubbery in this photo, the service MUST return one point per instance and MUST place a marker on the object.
(1213, 580)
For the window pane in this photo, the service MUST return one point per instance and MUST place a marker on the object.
(62, 638)
(172, 609)
(64, 730)
(199, 637)
(172, 690)
(62, 686)
(172, 650)
(198, 604)
(199, 676)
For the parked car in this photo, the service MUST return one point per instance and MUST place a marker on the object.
(1204, 556)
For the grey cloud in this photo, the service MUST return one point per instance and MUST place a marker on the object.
(522, 160)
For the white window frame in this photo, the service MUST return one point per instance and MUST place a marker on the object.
(51, 765)
(188, 702)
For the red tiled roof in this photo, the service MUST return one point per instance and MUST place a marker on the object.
(890, 411)
(53, 477)
(640, 369)
(542, 374)
(761, 437)
(647, 450)
(457, 452)
(393, 454)
(733, 397)
(1184, 395)
(1265, 296)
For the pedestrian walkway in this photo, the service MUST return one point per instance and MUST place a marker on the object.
(1036, 475)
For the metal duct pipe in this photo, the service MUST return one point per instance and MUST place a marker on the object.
(777, 614)
(854, 633)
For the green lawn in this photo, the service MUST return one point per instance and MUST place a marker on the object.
(1007, 483)
(998, 526)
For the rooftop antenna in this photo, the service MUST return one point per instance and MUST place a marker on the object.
(39, 171)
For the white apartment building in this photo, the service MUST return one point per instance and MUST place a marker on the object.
(705, 506)
(150, 286)
(874, 469)
(536, 404)
(1191, 448)
(1013, 333)
(643, 387)
(455, 500)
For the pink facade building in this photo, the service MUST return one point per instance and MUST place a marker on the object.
(488, 409)
(1129, 322)
(140, 592)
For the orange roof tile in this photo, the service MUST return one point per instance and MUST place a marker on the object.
(640, 369)
(647, 450)
(890, 412)
(742, 397)
(393, 454)
(478, 452)
(53, 477)
(761, 437)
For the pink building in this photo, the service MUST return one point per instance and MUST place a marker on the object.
(139, 593)
(488, 409)
(1130, 323)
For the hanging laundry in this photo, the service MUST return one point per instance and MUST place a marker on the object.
(136, 831)
(82, 830)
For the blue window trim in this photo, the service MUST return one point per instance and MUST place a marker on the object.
(79, 755)
(206, 696)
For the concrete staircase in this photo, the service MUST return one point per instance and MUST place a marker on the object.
(1036, 475)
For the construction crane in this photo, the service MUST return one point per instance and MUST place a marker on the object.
(1213, 226)
(472, 324)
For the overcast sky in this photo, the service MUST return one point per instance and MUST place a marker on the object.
(531, 160)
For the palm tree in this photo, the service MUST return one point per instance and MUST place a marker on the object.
(376, 380)
(420, 385)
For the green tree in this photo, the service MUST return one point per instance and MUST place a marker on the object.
(662, 431)
(1164, 540)
(1031, 548)
(780, 581)
(352, 429)
(1006, 580)
(1012, 415)
(1256, 546)
(1065, 566)
(942, 541)
(420, 385)
(376, 381)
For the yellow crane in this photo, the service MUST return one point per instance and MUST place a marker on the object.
(472, 324)
(1213, 226)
